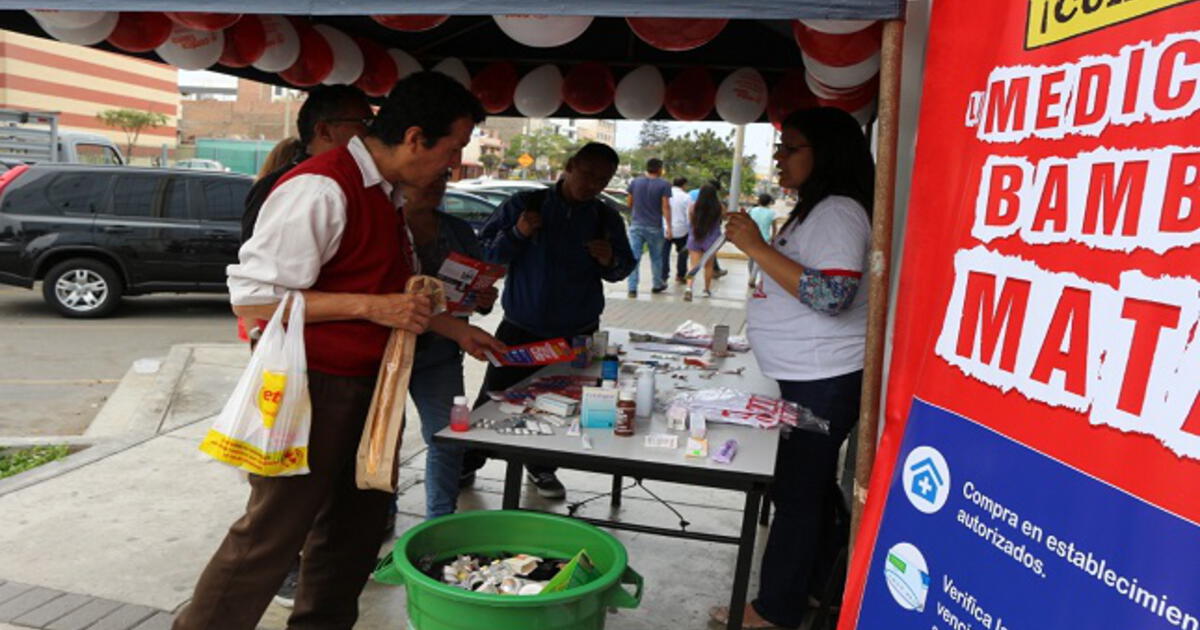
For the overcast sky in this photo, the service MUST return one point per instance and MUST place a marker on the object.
(758, 135)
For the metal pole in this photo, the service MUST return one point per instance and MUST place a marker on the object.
(735, 181)
(880, 264)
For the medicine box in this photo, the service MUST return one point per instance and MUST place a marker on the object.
(599, 408)
(556, 404)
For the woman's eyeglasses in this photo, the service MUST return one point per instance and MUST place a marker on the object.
(788, 150)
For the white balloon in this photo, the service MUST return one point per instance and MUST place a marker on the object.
(405, 63)
(190, 49)
(543, 31)
(842, 76)
(454, 68)
(742, 96)
(67, 19)
(837, 27)
(87, 35)
(539, 93)
(640, 93)
(283, 44)
(347, 56)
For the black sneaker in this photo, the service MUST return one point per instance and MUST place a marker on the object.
(659, 289)
(548, 486)
(466, 480)
(286, 596)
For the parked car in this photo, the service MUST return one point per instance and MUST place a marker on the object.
(473, 209)
(93, 234)
(202, 165)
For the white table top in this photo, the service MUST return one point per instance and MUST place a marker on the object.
(757, 448)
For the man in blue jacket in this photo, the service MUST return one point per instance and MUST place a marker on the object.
(560, 244)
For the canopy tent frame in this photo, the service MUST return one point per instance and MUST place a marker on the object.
(754, 14)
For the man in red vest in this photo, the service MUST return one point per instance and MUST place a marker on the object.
(331, 229)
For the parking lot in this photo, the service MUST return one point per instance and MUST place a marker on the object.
(56, 373)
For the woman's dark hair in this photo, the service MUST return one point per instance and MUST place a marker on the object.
(765, 200)
(842, 162)
(679, 181)
(706, 215)
(429, 100)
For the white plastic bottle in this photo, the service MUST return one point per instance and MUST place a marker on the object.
(460, 415)
(645, 392)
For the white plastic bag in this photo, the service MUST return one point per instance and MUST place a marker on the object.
(263, 428)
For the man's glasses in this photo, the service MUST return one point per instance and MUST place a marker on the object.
(366, 121)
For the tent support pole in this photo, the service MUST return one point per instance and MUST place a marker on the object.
(880, 263)
(735, 181)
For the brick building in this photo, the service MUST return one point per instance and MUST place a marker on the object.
(253, 111)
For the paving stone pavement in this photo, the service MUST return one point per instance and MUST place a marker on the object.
(173, 429)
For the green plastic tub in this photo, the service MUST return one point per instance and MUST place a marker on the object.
(433, 605)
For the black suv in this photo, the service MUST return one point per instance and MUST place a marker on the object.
(95, 233)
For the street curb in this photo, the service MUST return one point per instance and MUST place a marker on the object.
(144, 424)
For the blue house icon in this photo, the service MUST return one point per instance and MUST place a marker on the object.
(926, 480)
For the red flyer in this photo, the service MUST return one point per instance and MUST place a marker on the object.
(540, 353)
(463, 278)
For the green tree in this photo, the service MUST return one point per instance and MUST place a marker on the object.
(132, 122)
(653, 134)
(489, 161)
(704, 156)
(549, 150)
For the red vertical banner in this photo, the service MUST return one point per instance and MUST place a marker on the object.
(1040, 466)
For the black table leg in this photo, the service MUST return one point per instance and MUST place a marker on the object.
(512, 485)
(616, 490)
(741, 575)
(764, 518)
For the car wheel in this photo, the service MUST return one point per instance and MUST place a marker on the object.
(82, 287)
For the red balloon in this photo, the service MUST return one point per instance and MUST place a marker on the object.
(410, 23)
(379, 70)
(676, 34)
(316, 57)
(691, 95)
(589, 88)
(494, 86)
(204, 21)
(790, 93)
(245, 42)
(838, 50)
(140, 31)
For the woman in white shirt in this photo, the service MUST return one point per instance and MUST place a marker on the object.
(807, 323)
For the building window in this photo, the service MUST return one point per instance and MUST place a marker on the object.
(279, 92)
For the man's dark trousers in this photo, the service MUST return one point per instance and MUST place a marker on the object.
(322, 513)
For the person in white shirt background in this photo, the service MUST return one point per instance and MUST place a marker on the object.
(808, 329)
(680, 201)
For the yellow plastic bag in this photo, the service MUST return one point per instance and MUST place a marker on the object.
(263, 428)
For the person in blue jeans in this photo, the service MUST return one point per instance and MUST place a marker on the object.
(650, 201)
(437, 372)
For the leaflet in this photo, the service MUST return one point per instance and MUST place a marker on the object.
(463, 278)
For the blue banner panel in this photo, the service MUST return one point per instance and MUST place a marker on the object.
(735, 9)
(982, 533)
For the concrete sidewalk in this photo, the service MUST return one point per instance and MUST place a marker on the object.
(114, 537)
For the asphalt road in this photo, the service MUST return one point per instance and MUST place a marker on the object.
(56, 373)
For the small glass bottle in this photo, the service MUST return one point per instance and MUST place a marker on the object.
(460, 415)
(610, 366)
(626, 410)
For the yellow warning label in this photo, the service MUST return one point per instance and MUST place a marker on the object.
(1055, 20)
